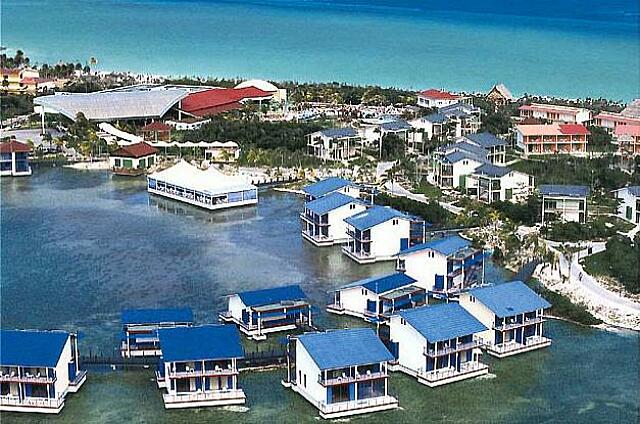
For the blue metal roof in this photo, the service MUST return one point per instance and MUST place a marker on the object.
(326, 186)
(339, 132)
(373, 216)
(156, 316)
(634, 190)
(437, 118)
(206, 342)
(272, 295)
(486, 140)
(467, 147)
(345, 348)
(395, 126)
(564, 190)
(442, 322)
(331, 201)
(492, 170)
(31, 348)
(384, 283)
(510, 298)
(445, 245)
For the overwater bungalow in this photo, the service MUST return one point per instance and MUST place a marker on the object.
(379, 233)
(443, 266)
(375, 299)
(14, 159)
(513, 314)
(199, 366)
(38, 369)
(437, 344)
(323, 218)
(140, 329)
(208, 189)
(329, 185)
(261, 312)
(340, 372)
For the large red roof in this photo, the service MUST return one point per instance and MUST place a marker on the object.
(439, 94)
(197, 103)
(156, 126)
(137, 150)
(574, 129)
(14, 146)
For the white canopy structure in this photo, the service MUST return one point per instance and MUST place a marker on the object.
(124, 138)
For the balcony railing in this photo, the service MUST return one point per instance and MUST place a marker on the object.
(36, 402)
(512, 346)
(445, 373)
(512, 325)
(38, 379)
(449, 350)
(202, 373)
(313, 220)
(360, 254)
(203, 396)
(361, 237)
(351, 379)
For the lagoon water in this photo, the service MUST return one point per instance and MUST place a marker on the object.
(574, 48)
(77, 247)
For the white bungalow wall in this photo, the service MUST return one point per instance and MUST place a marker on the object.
(411, 344)
(305, 366)
(424, 265)
(355, 298)
(236, 306)
(385, 237)
(337, 226)
(464, 167)
(481, 313)
(628, 202)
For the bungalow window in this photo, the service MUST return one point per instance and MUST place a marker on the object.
(352, 206)
(395, 222)
(117, 163)
(472, 299)
(305, 381)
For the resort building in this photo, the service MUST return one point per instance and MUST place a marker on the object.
(38, 369)
(552, 138)
(133, 159)
(22, 80)
(156, 131)
(208, 189)
(140, 329)
(261, 312)
(437, 344)
(213, 101)
(222, 152)
(556, 113)
(14, 159)
(443, 266)
(375, 299)
(490, 183)
(500, 95)
(340, 372)
(568, 203)
(462, 119)
(433, 126)
(199, 366)
(611, 121)
(629, 207)
(495, 147)
(323, 218)
(330, 185)
(453, 164)
(627, 137)
(438, 98)
(513, 314)
(379, 233)
(334, 144)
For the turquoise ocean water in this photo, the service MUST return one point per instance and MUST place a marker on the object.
(78, 247)
(569, 48)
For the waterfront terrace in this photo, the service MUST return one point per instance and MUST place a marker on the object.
(513, 314)
(261, 312)
(140, 329)
(323, 218)
(38, 369)
(199, 367)
(340, 372)
(437, 344)
(133, 159)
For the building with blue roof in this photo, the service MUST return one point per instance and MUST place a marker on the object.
(629, 203)
(330, 185)
(379, 233)
(454, 163)
(566, 203)
(513, 314)
(199, 366)
(444, 266)
(323, 218)
(38, 369)
(258, 313)
(492, 183)
(376, 298)
(341, 372)
(437, 344)
(495, 147)
(140, 329)
(334, 144)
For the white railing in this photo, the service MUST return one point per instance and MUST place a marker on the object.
(202, 373)
(513, 346)
(333, 408)
(203, 396)
(449, 350)
(361, 254)
(445, 373)
(512, 325)
(27, 379)
(10, 400)
(351, 379)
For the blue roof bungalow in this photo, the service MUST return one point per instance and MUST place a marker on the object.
(513, 314)
(496, 147)
(323, 218)
(437, 344)
(443, 266)
(260, 312)
(330, 185)
(199, 366)
(379, 233)
(38, 369)
(568, 203)
(341, 372)
(140, 329)
(334, 144)
(375, 299)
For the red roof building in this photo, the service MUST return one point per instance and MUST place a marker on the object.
(628, 139)
(14, 158)
(138, 150)
(13, 146)
(437, 98)
(217, 100)
(552, 138)
(156, 131)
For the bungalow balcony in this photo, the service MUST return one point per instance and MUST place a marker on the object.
(31, 404)
(14, 377)
(203, 398)
(460, 347)
(313, 219)
(358, 256)
(216, 372)
(318, 239)
(447, 375)
(346, 379)
(353, 407)
(362, 236)
(502, 350)
(513, 325)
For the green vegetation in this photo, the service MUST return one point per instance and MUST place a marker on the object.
(431, 212)
(563, 307)
(600, 140)
(429, 190)
(621, 260)
(338, 93)
(600, 228)
(478, 213)
(392, 147)
(12, 105)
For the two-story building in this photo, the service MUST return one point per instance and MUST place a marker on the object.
(629, 207)
(37, 370)
(462, 118)
(551, 139)
(375, 299)
(513, 314)
(379, 233)
(329, 185)
(334, 144)
(437, 344)
(140, 329)
(568, 203)
(134, 159)
(258, 313)
(340, 372)
(199, 366)
(443, 266)
(555, 113)
(627, 137)
(612, 121)
(323, 218)
(490, 183)
(453, 164)
(434, 98)
(495, 147)
(14, 159)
